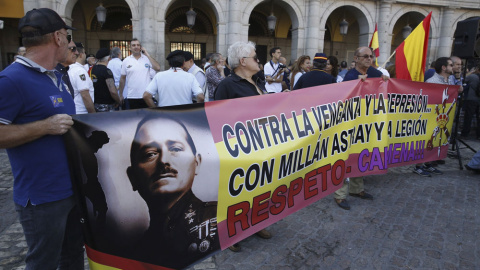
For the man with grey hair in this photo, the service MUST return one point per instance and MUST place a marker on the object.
(21, 51)
(243, 81)
(215, 74)
(106, 96)
(115, 64)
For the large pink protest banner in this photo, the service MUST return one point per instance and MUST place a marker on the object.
(163, 188)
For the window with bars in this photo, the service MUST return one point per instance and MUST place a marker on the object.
(197, 49)
(124, 46)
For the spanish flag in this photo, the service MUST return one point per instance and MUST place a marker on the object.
(412, 53)
(101, 261)
(375, 45)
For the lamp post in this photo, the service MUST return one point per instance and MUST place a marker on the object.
(406, 31)
(101, 14)
(272, 22)
(191, 15)
(343, 27)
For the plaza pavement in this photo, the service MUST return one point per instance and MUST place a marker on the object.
(414, 222)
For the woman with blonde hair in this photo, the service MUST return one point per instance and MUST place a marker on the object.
(300, 67)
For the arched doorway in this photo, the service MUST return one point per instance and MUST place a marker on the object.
(343, 46)
(265, 39)
(410, 19)
(200, 39)
(115, 32)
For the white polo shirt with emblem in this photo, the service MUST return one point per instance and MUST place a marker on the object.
(139, 74)
(80, 81)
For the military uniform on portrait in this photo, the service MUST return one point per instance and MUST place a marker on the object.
(185, 234)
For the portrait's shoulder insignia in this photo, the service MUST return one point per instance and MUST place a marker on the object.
(82, 77)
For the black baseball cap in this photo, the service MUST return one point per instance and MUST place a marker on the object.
(187, 55)
(44, 20)
(176, 53)
(102, 53)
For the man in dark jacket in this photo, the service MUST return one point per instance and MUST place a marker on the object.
(317, 76)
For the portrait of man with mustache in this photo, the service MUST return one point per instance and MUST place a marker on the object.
(164, 163)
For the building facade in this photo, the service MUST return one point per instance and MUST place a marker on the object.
(302, 26)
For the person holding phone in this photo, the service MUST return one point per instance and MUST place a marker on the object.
(138, 69)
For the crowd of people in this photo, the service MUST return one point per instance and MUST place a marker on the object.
(72, 82)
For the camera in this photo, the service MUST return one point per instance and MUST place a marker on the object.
(281, 66)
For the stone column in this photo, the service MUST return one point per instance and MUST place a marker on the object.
(234, 22)
(222, 46)
(298, 41)
(160, 45)
(446, 32)
(384, 38)
(31, 4)
(321, 44)
(147, 22)
(313, 37)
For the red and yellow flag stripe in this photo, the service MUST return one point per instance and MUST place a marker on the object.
(411, 55)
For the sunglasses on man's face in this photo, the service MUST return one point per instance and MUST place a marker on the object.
(73, 49)
(255, 57)
(69, 37)
(366, 56)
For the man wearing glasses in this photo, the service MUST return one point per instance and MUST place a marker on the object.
(363, 69)
(243, 81)
(83, 94)
(442, 75)
(443, 70)
(34, 112)
(363, 66)
(63, 67)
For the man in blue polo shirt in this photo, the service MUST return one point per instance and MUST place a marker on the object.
(363, 66)
(35, 109)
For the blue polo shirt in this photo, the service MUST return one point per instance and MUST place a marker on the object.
(353, 73)
(30, 93)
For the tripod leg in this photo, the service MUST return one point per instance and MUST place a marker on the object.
(458, 154)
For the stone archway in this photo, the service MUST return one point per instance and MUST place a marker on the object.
(201, 39)
(413, 17)
(292, 31)
(359, 12)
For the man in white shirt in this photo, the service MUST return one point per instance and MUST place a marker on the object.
(115, 64)
(173, 86)
(137, 72)
(379, 68)
(274, 72)
(190, 67)
(83, 90)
